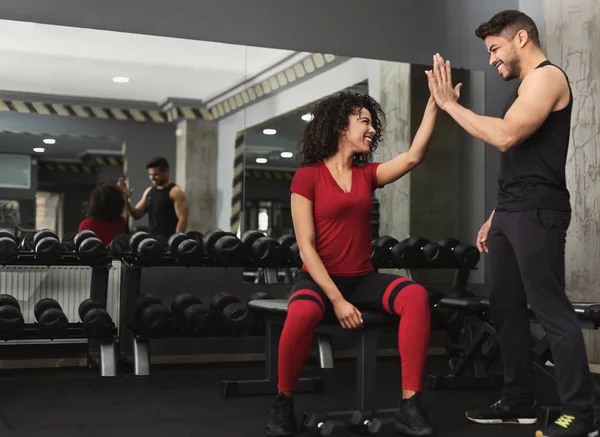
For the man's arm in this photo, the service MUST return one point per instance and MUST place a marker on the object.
(138, 211)
(538, 95)
(181, 208)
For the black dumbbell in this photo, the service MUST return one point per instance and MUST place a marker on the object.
(233, 316)
(259, 322)
(8, 248)
(285, 244)
(380, 250)
(463, 255)
(147, 249)
(97, 323)
(90, 249)
(264, 251)
(318, 426)
(51, 318)
(191, 314)
(185, 249)
(196, 236)
(12, 323)
(68, 242)
(26, 244)
(404, 256)
(48, 248)
(152, 318)
(119, 246)
(296, 259)
(363, 423)
(225, 247)
(163, 241)
(431, 253)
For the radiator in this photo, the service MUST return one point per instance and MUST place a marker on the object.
(68, 285)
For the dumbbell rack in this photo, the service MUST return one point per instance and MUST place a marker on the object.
(101, 352)
(130, 290)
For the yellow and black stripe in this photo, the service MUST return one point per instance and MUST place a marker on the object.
(270, 174)
(13, 204)
(54, 135)
(65, 167)
(237, 193)
(93, 112)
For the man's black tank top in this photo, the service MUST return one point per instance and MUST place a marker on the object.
(532, 174)
(161, 211)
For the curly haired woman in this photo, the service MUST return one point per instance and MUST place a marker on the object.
(331, 200)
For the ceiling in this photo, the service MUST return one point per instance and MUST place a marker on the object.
(290, 128)
(65, 148)
(69, 61)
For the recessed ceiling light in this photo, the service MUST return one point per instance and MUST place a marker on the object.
(49, 141)
(120, 79)
(286, 154)
(269, 131)
(39, 149)
(261, 160)
(307, 117)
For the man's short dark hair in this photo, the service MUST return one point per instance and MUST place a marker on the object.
(158, 162)
(507, 24)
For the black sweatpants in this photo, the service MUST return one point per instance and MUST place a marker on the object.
(527, 263)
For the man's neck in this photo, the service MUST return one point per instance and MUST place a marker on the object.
(165, 185)
(536, 58)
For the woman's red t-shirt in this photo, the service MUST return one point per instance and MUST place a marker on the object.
(105, 231)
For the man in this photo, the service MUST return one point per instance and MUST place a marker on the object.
(165, 202)
(525, 234)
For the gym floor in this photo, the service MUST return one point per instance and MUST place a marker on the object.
(184, 401)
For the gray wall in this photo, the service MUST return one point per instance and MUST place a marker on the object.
(144, 140)
(26, 198)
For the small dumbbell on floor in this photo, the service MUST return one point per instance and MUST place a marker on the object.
(97, 323)
(12, 323)
(317, 425)
(191, 314)
(231, 314)
(9, 250)
(364, 423)
(53, 322)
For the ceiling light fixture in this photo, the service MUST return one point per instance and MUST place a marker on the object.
(286, 154)
(269, 131)
(120, 79)
(307, 117)
(39, 149)
(49, 141)
(261, 160)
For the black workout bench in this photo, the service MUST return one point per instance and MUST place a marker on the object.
(469, 368)
(375, 323)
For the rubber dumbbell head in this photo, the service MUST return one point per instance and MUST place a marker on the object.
(48, 248)
(97, 323)
(152, 318)
(191, 314)
(210, 239)
(26, 244)
(233, 316)
(92, 251)
(68, 242)
(12, 323)
(433, 254)
(312, 423)
(266, 252)
(162, 241)
(9, 250)
(82, 236)
(119, 246)
(187, 250)
(51, 318)
(404, 256)
(380, 250)
(296, 259)
(136, 239)
(148, 250)
(229, 250)
(285, 243)
(466, 256)
(196, 236)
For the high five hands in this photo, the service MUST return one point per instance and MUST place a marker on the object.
(440, 83)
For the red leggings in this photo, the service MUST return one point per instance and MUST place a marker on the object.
(375, 291)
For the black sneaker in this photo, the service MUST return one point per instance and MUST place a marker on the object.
(503, 413)
(283, 420)
(570, 426)
(411, 419)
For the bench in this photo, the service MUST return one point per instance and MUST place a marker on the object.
(275, 311)
(470, 368)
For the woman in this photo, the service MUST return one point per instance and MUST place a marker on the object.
(331, 200)
(105, 213)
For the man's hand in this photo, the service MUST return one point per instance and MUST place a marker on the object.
(440, 82)
(347, 314)
(123, 187)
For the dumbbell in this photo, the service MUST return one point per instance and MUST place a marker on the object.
(404, 256)
(233, 316)
(8, 248)
(264, 251)
(48, 248)
(364, 423)
(90, 249)
(68, 242)
(259, 322)
(431, 253)
(318, 426)
(296, 259)
(380, 250)
(51, 318)
(191, 314)
(119, 246)
(285, 244)
(196, 236)
(185, 249)
(26, 244)
(97, 323)
(12, 323)
(162, 241)
(147, 249)
(224, 247)
(152, 318)
(463, 255)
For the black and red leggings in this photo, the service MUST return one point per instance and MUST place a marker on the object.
(376, 292)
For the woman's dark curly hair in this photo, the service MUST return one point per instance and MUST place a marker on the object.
(330, 119)
(106, 203)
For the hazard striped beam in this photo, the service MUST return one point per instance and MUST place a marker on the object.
(237, 193)
(103, 160)
(65, 167)
(269, 174)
